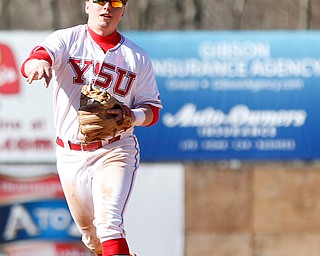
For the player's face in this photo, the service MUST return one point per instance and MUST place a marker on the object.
(104, 16)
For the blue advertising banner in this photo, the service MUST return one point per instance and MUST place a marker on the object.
(35, 218)
(43, 220)
(234, 95)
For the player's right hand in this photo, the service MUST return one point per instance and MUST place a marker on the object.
(38, 69)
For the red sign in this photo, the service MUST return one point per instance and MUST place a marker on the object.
(9, 73)
(16, 188)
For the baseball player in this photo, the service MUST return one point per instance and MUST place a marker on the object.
(97, 178)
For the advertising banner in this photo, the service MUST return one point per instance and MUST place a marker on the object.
(234, 95)
(26, 119)
(226, 95)
(35, 219)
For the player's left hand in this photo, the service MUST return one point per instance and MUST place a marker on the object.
(117, 114)
(103, 117)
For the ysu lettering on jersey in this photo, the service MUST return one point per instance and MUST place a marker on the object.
(106, 75)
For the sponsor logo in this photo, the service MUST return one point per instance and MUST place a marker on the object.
(239, 115)
(9, 75)
(15, 189)
(47, 219)
(40, 247)
(34, 209)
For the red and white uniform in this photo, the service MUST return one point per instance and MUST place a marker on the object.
(125, 71)
(97, 183)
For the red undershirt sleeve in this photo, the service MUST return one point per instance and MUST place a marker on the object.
(156, 115)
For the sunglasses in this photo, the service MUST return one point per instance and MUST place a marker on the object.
(114, 3)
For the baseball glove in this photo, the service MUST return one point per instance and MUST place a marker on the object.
(94, 123)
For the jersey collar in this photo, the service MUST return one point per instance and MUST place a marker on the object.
(106, 42)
